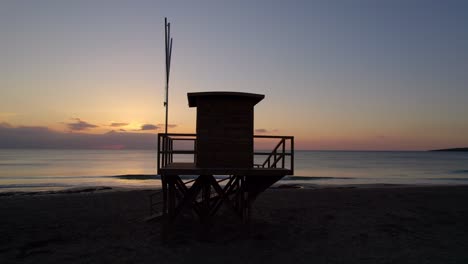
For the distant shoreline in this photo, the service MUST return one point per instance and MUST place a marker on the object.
(452, 150)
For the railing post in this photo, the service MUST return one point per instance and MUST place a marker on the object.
(164, 153)
(284, 152)
(274, 159)
(195, 149)
(292, 155)
(158, 154)
(168, 159)
(171, 147)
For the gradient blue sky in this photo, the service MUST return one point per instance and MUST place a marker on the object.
(336, 74)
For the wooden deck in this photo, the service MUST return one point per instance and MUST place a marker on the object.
(183, 168)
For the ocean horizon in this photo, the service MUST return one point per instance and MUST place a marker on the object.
(47, 169)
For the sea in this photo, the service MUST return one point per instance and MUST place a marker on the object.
(25, 170)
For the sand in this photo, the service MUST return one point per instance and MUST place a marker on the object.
(329, 225)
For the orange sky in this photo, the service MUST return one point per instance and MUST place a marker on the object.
(334, 77)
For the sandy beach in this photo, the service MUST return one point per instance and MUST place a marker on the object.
(329, 225)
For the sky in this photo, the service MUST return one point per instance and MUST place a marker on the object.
(337, 75)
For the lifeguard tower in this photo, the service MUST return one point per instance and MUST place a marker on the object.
(223, 146)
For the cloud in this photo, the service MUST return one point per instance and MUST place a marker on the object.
(149, 127)
(5, 125)
(266, 131)
(119, 124)
(80, 125)
(168, 125)
(37, 137)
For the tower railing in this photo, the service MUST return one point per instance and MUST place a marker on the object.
(166, 151)
(277, 158)
(281, 157)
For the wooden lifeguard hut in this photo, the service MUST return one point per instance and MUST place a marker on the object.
(223, 146)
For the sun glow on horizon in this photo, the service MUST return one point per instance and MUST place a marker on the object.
(334, 77)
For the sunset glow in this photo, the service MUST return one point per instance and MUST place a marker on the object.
(386, 76)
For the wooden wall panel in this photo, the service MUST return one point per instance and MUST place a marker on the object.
(225, 129)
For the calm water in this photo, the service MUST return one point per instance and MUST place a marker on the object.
(26, 170)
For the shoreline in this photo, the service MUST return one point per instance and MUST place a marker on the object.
(279, 185)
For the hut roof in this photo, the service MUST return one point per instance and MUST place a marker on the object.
(192, 97)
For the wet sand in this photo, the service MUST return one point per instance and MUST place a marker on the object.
(330, 225)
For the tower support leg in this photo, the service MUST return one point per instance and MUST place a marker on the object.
(177, 195)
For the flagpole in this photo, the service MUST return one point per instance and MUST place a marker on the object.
(167, 76)
(168, 53)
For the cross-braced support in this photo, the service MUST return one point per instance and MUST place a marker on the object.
(205, 196)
